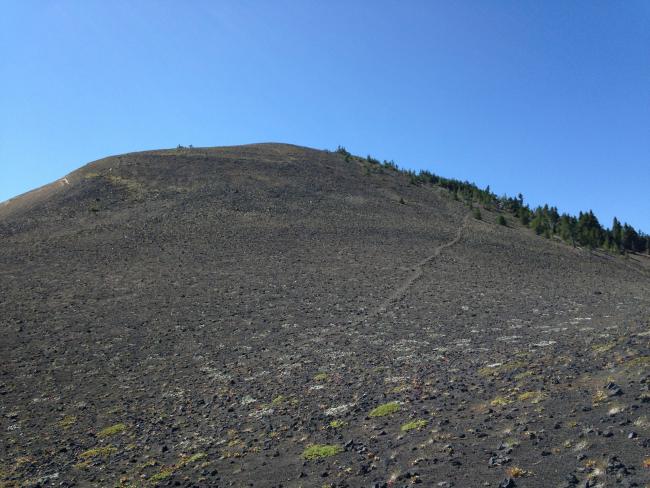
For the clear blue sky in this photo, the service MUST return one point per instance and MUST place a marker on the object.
(548, 98)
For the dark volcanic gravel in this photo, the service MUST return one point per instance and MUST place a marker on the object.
(271, 315)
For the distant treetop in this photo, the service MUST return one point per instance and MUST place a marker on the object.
(584, 230)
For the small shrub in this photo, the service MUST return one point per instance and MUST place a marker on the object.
(319, 451)
(337, 424)
(385, 409)
(320, 377)
(477, 214)
(502, 221)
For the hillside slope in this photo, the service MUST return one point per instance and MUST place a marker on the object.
(201, 317)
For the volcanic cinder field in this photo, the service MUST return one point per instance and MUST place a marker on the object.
(276, 316)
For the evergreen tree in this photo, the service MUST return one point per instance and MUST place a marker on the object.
(589, 231)
(617, 233)
(538, 224)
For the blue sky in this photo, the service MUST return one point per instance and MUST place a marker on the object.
(551, 99)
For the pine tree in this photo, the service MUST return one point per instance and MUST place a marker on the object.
(617, 233)
(538, 224)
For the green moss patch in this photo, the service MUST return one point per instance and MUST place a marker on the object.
(414, 425)
(319, 451)
(337, 424)
(385, 409)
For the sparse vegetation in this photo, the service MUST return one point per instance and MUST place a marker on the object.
(603, 348)
(499, 401)
(413, 425)
(320, 377)
(523, 375)
(318, 451)
(191, 459)
(67, 421)
(278, 400)
(498, 368)
(385, 409)
(337, 424)
(168, 471)
(599, 397)
(112, 430)
(372, 160)
(161, 476)
(516, 472)
(98, 452)
(341, 150)
(531, 396)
